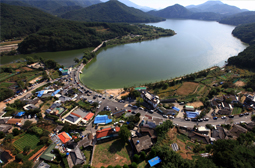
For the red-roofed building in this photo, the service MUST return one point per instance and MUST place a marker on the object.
(88, 116)
(64, 137)
(75, 114)
(107, 133)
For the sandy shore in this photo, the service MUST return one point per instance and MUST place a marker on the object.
(117, 93)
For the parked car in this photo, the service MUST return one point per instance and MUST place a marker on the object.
(200, 120)
(165, 116)
(240, 115)
(135, 107)
(99, 102)
(116, 108)
(98, 106)
(151, 111)
(140, 108)
(246, 113)
(103, 98)
(223, 117)
(115, 123)
(129, 110)
(215, 118)
(206, 119)
(133, 112)
(231, 116)
(130, 105)
(187, 119)
(121, 121)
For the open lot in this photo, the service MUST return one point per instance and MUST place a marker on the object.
(26, 140)
(112, 153)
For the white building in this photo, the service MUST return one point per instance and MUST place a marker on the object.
(152, 100)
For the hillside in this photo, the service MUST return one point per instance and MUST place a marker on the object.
(51, 5)
(175, 11)
(245, 32)
(240, 18)
(64, 9)
(111, 11)
(216, 7)
(245, 59)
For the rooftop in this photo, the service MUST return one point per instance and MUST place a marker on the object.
(106, 132)
(47, 155)
(64, 137)
(142, 143)
(88, 116)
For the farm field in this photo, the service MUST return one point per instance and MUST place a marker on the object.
(187, 88)
(112, 153)
(26, 140)
(236, 110)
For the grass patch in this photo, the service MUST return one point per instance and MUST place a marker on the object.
(87, 152)
(237, 110)
(187, 88)
(182, 137)
(6, 84)
(107, 153)
(27, 140)
(84, 105)
(105, 113)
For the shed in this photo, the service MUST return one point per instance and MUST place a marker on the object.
(47, 155)
(154, 161)
(102, 119)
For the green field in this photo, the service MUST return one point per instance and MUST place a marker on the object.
(27, 140)
(236, 110)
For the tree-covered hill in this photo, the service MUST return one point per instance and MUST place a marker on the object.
(51, 5)
(240, 18)
(64, 9)
(245, 59)
(111, 11)
(245, 32)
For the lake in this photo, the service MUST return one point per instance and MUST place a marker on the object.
(196, 46)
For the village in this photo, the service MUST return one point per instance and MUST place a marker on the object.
(59, 121)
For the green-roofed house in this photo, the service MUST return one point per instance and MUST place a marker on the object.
(140, 88)
(47, 155)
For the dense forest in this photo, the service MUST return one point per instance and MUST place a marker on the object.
(111, 11)
(240, 18)
(48, 33)
(245, 32)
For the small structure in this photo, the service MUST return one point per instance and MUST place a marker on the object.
(194, 136)
(14, 121)
(203, 130)
(142, 143)
(65, 71)
(56, 92)
(151, 99)
(189, 108)
(175, 147)
(29, 107)
(75, 157)
(218, 133)
(5, 156)
(64, 137)
(20, 114)
(154, 161)
(88, 117)
(73, 119)
(5, 128)
(102, 119)
(47, 155)
(43, 165)
(107, 133)
(237, 130)
(140, 88)
(119, 113)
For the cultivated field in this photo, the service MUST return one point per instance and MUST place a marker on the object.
(26, 140)
(187, 88)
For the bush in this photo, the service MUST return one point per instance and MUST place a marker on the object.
(19, 157)
(125, 166)
(15, 131)
(110, 166)
(136, 158)
(117, 166)
(143, 155)
(2, 134)
(133, 165)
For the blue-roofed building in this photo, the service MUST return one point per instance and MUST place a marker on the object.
(154, 161)
(176, 109)
(56, 92)
(20, 114)
(191, 114)
(40, 93)
(65, 71)
(102, 119)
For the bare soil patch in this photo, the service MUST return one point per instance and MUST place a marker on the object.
(26, 69)
(117, 160)
(239, 83)
(114, 92)
(187, 88)
(185, 154)
(195, 104)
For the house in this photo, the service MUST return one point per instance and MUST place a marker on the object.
(65, 71)
(43, 165)
(148, 131)
(73, 119)
(20, 114)
(218, 133)
(5, 128)
(107, 133)
(58, 128)
(64, 98)
(76, 157)
(88, 117)
(142, 143)
(85, 142)
(47, 154)
(102, 119)
(233, 98)
(191, 114)
(250, 126)
(119, 113)
(151, 99)
(14, 121)
(195, 136)
(225, 112)
(237, 130)
(153, 122)
(26, 97)
(58, 110)
(203, 130)
(5, 155)
(29, 107)
(36, 65)
(64, 137)
(140, 88)
(250, 99)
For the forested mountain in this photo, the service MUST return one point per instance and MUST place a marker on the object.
(240, 18)
(178, 11)
(216, 7)
(111, 11)
(131, 4)
(51, 5)
(175, 11)
(64, 9)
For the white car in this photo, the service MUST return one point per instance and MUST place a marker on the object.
(100, 102)
(121, 121)
(98, 106)
(206, 119)
(165, 116)
(223, 117)
(187, 119)
(140, 108)
(130, 105)
(115, 123)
